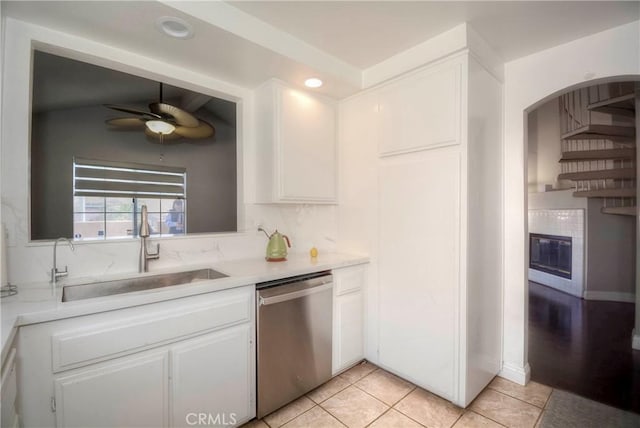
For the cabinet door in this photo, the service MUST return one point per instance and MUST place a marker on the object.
(213, 376)
(131, 392)
(306, 155)
(348, 342)
(9, 391)
(419, 266)
(349, 279)
(421, 111)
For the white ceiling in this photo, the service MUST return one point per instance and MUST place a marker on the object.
(246, 43)
(364, 33)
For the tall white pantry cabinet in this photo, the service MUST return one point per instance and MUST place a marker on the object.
(432, 222)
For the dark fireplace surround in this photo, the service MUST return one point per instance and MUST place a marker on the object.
(550, 254)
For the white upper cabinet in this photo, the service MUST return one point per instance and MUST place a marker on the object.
(421, 111)
(296, 146)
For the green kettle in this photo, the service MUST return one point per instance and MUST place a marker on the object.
(277, 246)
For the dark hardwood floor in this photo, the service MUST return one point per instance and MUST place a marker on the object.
(584, 346)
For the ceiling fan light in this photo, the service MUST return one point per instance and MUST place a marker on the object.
(160, 127)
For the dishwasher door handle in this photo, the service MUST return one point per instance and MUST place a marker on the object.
(264, 301)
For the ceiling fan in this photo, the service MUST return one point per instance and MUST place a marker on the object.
(163, 121)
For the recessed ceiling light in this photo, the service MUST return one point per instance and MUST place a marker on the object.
(174, 27)
(313, 82)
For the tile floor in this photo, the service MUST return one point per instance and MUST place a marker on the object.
(367, 396)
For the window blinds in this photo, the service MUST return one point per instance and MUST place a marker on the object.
(127, 179)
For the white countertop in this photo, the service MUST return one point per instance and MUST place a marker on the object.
(38, 304)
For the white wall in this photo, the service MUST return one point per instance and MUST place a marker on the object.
(528, 81)
(29, 262)
(560, 199)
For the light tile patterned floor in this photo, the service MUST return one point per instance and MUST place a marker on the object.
(367, 396)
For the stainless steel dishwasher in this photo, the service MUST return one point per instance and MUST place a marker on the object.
(294, 330)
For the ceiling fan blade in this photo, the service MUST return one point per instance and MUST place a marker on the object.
(203, 130)
(135, 111)
(166, 139)
(181, 117)
(128, 122)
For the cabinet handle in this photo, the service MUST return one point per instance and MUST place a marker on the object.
(264, 301)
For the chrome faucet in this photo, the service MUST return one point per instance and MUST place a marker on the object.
(55, 273)
(145, 255)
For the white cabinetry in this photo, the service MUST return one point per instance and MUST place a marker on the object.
(222, 390)
(432, 223)
(152, 365)
(421, 111)
(296, 146)
(130, 391)
(348, 317)
(9, 392)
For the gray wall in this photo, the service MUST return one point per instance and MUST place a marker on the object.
(610, 241)
(611, 250)
(57, 136)
(544, 147)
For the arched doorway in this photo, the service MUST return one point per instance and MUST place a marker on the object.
(581, 240)
(529, 81)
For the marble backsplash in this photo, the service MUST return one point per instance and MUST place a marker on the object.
(29, 263)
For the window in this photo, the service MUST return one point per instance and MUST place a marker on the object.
(108, 198)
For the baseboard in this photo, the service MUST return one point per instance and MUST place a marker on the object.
(517, 374)
(610, 296)
(635, 341)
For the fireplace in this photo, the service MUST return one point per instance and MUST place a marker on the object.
(550, 254)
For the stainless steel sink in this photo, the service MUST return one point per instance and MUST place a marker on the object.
(107, 288)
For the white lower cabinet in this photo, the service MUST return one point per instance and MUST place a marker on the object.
(218, 393)
(9, 390)
(348, 317)
(130, 391)
(349, 343)
(177, 363)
